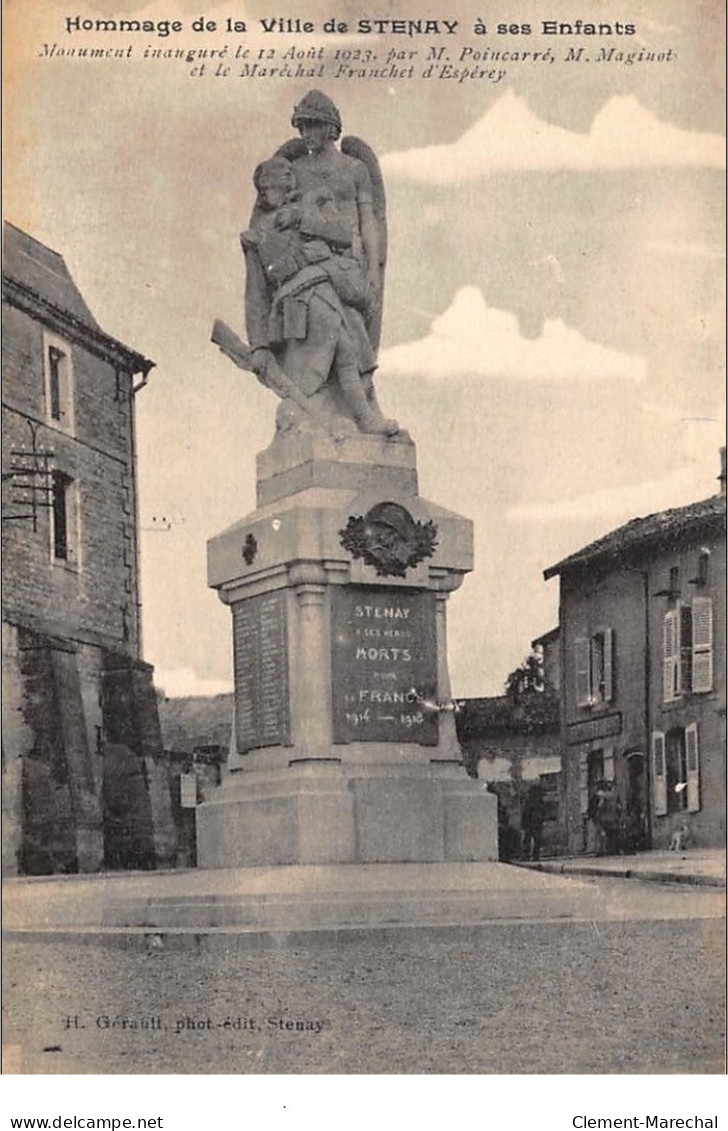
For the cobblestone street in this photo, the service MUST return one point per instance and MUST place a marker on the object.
(638, 994)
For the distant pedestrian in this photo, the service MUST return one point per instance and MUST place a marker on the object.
(608, 818)
(532, 817)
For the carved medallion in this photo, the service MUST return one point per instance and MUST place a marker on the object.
(388, 538)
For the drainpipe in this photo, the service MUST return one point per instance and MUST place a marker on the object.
(566, 767)
(648, 708)
(133, 452)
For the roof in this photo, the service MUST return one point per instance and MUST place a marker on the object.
(546, 637)
(194, 721)
(659, 529)
(43, 271)
(36, 278)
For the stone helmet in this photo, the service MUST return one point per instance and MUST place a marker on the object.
(393, 516)
(317, 107)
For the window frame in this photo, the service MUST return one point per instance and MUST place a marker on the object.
(692, 767)
(687, 649)
(71, 559)
(58, 383)
(594, 668)
(676, 770)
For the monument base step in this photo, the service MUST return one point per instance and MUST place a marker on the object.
(325, 813)
(300, 898)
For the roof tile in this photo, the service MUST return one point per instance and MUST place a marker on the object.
(642, 532)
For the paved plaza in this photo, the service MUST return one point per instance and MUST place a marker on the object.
(629, 981)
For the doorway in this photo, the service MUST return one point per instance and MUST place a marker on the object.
(636, 823)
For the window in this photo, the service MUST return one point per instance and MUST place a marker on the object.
(659, 783)
(64, 519)
(702, 644)
(676, 775)
(688, 649)
(58, 372)
(701, 576)
(692, 768)
(671, 656)
(676, 771)
(593, 656)
(55, 362)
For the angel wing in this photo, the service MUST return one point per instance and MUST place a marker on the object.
(355, 147)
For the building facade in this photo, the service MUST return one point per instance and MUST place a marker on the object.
(642, 637)
(197, 732)
(81, 741)
(512, 747)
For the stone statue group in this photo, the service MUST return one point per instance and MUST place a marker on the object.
(315, 252)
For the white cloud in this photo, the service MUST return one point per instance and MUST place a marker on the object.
(179, 682)
(618, 504)
(511, 138)
(472, 340)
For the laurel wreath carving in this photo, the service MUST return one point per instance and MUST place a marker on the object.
(359, 538)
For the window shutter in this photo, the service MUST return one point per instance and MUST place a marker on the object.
(59, 515)
(55, 360)
(659, 778)
(608, 664)
(670, 656)
(72, 510)
(702, 674)
(685, 644)
(581, 667)
(583, 782)
(609, 763)
(692, 762)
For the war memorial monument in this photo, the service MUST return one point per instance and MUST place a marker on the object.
(346, 750)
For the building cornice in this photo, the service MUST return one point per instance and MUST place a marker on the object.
(68, 325)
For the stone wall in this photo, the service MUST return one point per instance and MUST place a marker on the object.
(85, 781)
(93, 598)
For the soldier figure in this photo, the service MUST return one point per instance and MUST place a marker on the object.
(304, 299)
(315, 251)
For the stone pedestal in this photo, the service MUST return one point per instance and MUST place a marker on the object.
(345, 730)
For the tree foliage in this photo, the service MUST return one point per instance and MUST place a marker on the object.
(535, 701)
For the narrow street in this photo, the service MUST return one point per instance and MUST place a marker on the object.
(635, 987)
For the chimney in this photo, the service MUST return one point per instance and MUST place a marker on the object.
(721, 477)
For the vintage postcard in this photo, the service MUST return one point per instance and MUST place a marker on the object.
(472, 317)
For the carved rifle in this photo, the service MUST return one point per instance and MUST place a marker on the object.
(236, 349)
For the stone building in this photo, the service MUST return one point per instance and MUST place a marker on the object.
(84, 784)
(197, 732)
(642, 619)
(511, 747)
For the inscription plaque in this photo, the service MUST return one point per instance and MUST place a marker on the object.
(589, 730)
(384, 664)
(260, 651)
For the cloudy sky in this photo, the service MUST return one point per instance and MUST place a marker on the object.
(553, 333)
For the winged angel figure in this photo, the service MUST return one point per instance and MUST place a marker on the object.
(315, 253)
